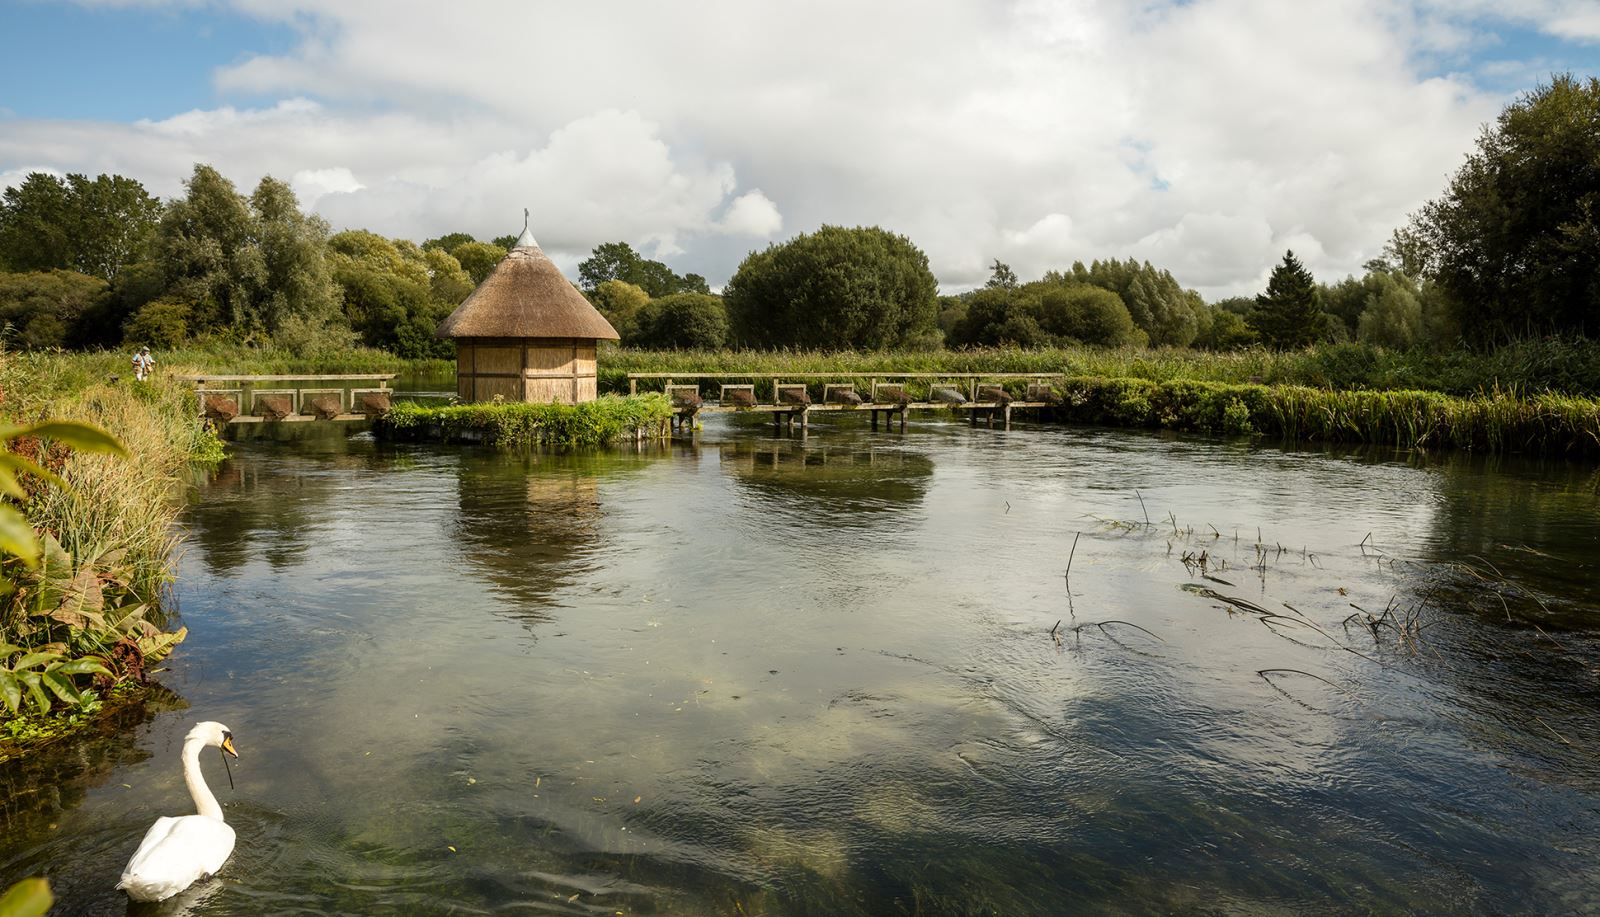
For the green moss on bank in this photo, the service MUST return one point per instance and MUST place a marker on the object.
(513, 425)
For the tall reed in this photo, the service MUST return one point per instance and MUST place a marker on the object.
(113, 503)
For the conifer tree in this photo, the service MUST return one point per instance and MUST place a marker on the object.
(1288, 315)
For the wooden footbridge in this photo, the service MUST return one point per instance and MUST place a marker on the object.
(794, 397)
(344, 398)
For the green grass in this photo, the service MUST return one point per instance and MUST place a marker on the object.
(60, 373)
(1492, 422)
(1561, 366)
(513, 425)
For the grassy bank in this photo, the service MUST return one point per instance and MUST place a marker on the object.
(89, 615)
(1494, 422)
(511, 425)
(1566, 367)
(236, 359)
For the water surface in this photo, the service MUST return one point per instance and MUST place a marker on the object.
(749, 675)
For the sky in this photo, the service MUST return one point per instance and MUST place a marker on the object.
(1206, 136)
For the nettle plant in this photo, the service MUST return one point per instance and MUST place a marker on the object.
(63, 620)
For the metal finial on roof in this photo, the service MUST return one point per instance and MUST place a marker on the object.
(526, 239)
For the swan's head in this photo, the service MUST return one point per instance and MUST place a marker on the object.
(214, 735)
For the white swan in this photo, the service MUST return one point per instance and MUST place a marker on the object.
(177, 851)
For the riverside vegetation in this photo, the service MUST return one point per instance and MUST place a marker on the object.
(1319, 394)
(81, 586)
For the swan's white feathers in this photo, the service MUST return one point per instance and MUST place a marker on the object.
(176, 853)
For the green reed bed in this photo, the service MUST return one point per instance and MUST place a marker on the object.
(513, 425)
(1571, 367)
(1493, 422)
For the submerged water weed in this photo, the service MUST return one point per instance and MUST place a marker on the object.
(515, 425)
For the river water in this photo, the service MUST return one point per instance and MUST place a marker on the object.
(749, 675)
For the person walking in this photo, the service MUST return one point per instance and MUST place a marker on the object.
(143, 364)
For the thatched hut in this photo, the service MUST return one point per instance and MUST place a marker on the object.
(526, 333)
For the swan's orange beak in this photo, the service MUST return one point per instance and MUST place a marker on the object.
(227, 746)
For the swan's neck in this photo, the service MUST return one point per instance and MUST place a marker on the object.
(204, 802)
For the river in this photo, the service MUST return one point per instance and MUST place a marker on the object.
(844, 675)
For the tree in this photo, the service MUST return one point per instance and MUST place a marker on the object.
(618, 261)
(1002, 276)
(395, 293)
(622, 304)
(835, 289)
(294, 280)
(450, 241)
(1166, 312)
(204, 243)
(1393, 315)
(46, 309)
(246, 265)
(1515, 240)
(1228, 329)
(1047, 313)
(116, 220)
(1288, 315)
(160, 323)
(35, 234)
(478, 258)
(684, 321)
(94, 226)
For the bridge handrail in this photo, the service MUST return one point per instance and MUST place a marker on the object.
(300, 377)
(844, 374)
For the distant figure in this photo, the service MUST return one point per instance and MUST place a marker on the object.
(143, 364)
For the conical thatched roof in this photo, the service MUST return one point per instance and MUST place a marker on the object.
(526, 296)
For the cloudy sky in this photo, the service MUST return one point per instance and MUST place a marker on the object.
(1204, 135)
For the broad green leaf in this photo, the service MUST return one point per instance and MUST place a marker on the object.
(77, 435)
(28, 898)
(33, 659)
(88, 665)
(10, 691)
(61, 686)
(35, 686)
(6, 649)
(17, 537)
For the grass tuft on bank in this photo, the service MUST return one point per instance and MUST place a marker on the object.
(514, 425)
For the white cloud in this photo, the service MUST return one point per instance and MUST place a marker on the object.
(751, 214)
(312, 185)
(1206, 136)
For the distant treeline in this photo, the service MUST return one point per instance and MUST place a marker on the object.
(1510, 251)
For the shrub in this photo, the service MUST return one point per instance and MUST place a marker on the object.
(162, 323)
(683, 321)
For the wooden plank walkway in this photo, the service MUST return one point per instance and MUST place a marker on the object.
(788, 412)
